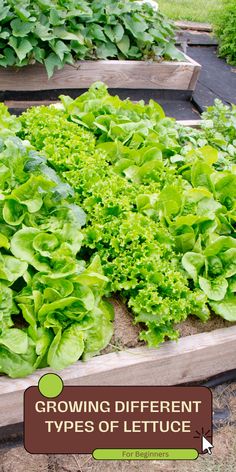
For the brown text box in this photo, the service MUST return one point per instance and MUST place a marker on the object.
(124, 417)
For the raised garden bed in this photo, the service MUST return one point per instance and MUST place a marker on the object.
(195, 357)
(116, 74)
(192, 359)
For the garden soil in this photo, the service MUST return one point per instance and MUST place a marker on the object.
(126, 333)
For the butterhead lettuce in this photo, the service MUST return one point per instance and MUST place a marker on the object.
(50, 298)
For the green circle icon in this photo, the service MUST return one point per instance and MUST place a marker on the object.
(50, 385)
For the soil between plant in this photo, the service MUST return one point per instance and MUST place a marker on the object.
(126, 333)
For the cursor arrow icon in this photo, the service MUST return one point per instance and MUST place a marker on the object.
(206, 445)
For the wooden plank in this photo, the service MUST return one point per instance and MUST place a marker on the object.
(186, 38)
(194, 78)
(190, 123)
(192, 358)
(116, 74)
(24, 105)
(193, 25)
(28, 103)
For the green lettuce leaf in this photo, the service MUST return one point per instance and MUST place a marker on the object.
(15, 340)
(193, 263)
(215, 289)
(99, 335)
(226, 308)
(17, 365)
(66, 348)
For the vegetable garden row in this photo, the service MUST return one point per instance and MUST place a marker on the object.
(102, 196)
(52, 44)
(55, 33)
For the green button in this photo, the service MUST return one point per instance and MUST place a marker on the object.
(50, 385)
(145, 454)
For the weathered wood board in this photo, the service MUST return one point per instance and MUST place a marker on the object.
(192, 358)
(190, 123)
(116, 74)
(193, 25)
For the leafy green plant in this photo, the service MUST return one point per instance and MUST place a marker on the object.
(156, 199)
(55, 33)
(219, 126)
(51, 307)
(160, 225)
(225, 29)
(218, 129)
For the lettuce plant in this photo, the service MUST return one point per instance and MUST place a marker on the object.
(51, 307)
(160, 204)
(219, 126)
(159, 226)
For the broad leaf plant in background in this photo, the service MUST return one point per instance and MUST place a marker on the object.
(55, 33)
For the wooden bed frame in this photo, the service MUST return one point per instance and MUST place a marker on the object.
(191, 359)
(116, 74)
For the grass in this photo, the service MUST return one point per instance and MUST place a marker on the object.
(203, 11)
